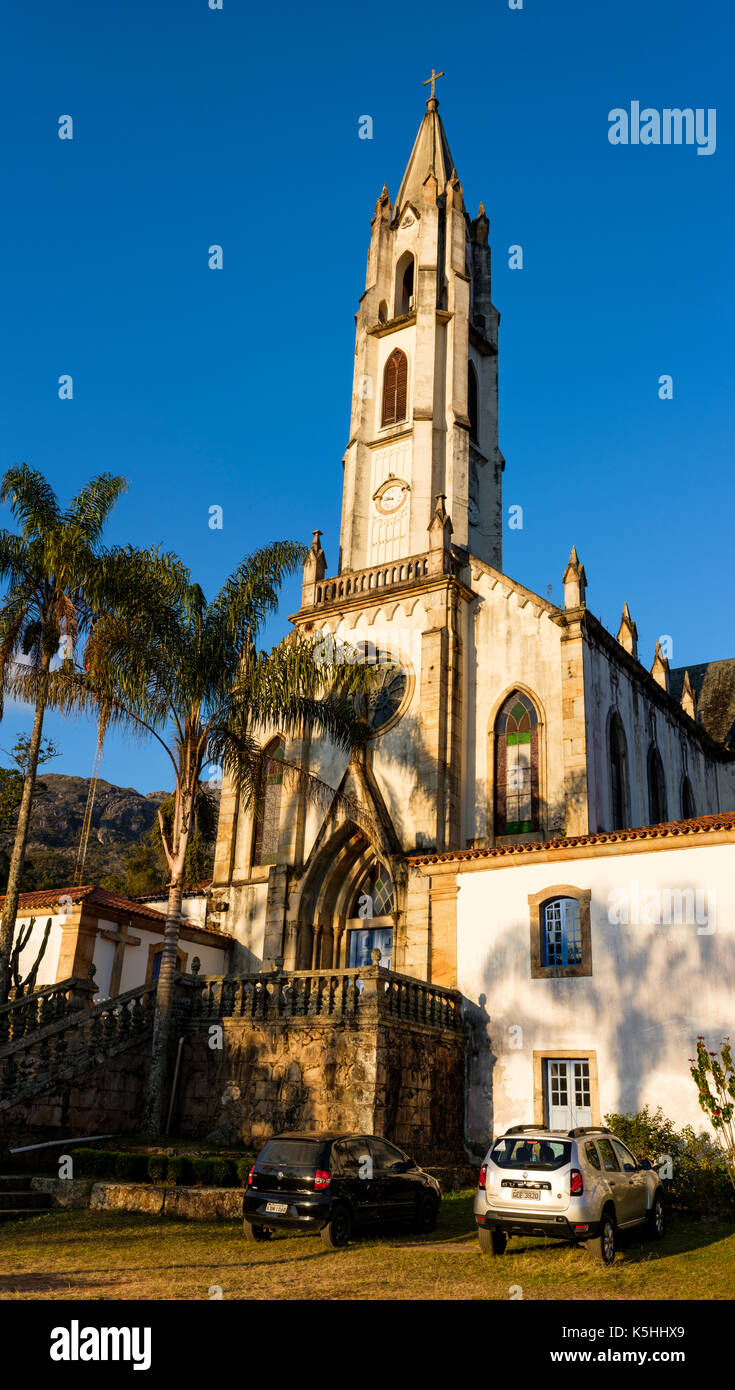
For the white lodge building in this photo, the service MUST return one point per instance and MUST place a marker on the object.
(515, 742)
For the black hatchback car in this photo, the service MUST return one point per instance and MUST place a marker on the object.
(334, 1183)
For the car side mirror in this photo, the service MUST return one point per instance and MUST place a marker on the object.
(646, 1165)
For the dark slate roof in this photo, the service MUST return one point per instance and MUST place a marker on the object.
(713, 684)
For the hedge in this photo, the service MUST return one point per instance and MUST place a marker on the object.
(179, 1170)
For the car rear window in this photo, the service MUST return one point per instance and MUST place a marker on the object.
(291, 1154)
(524, 1152)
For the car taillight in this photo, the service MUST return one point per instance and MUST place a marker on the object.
(576, 1183)
(482, 1178)
(250, 1176)
(321, 1180)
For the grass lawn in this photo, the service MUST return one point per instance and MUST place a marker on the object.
(110, 1255)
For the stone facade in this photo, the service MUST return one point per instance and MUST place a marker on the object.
(419, 584)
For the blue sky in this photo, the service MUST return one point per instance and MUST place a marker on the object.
(232, 388)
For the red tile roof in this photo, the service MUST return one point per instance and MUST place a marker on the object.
(723, 820)
(49, 899)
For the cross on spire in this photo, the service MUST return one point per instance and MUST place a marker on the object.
(432, 80)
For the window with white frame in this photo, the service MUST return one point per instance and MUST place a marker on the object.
(562, 932)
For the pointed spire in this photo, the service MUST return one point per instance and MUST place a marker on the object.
(430, 155)
(574, 580)
(628, 632)
(315, 568)
(660, 668)
(688, 700)
(440, 538)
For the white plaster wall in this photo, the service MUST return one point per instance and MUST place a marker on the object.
(47, 970)
(652, 991)
(609, 687)
(245, 922)
(515, 644)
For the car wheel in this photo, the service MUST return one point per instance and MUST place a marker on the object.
(426, 1215)
(602, 1248)
(338, 1229)
(491, 1242)
(252, 1232)
(657, 1218)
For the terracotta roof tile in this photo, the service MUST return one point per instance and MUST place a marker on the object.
(723, 820)
(48, 899)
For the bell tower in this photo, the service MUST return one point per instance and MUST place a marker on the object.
(424, 416)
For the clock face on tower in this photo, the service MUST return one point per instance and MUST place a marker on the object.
(390, 495)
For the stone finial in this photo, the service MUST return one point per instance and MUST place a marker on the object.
(455, 191)
(628, 632)
(383, 209)
(376, 955)
(688, 699)
(480, 228)
(315, 568)
(431, 188)
(574, 580)
(440, 538)
(660, 668)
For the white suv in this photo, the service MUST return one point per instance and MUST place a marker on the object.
(576, 1185)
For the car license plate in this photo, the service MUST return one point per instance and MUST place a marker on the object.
(278, 1208)
(528, 1193)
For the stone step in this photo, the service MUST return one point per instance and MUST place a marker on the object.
(18, 1213)
(14, 1182)
(10, 1200)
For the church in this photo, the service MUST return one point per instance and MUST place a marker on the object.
(517, 905)
(517, 747)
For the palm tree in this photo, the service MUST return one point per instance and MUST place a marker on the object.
(189, 674)
(54, 570)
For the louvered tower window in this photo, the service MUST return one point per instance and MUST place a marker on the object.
(395, 388)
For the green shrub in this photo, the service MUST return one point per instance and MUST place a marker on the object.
(133, 1167)
(179, 1171)
(93, 1163)
(699, 1181)
(157, 1167)
(214, 1171)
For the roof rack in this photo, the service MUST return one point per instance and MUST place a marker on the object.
(528, 1129)
(587, 1129)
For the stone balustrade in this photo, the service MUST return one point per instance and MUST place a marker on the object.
(366, 581)
(55, 1050)
(29, 1012)
(285, 995)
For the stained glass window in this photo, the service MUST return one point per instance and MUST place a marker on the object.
(516, 767)
(268, 813)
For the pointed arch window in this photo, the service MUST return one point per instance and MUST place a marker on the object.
(688, 808)
(472, 401)
(404, 285)
(517, 767)
(657, 809)
(371, 920)
(618, 774)
(395, 388)
(268, 812)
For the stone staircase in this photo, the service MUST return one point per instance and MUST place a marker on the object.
(18, 1199)
(53, 1052)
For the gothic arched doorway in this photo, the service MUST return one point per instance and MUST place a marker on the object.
(347, 906)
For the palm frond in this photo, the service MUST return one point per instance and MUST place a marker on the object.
(89, 510)
(31, 499)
